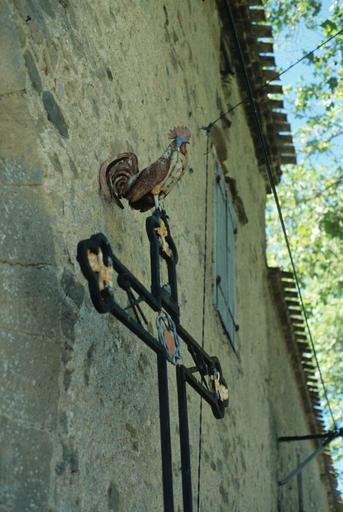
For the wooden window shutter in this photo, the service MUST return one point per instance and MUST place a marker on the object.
(225, 256)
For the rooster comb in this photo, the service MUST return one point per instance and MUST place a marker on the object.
(180, 131)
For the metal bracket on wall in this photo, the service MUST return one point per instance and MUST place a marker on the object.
(98, 264)
(327, 437)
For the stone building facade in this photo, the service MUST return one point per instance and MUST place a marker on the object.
(79, 410)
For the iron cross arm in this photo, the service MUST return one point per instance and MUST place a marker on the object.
(102, 268)
(99, 266)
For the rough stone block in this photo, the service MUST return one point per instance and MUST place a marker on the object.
(12, 69)
(25, 468)
(13, 172)
(37, 13)
(30, 367)
(69, 461)
(113, 498)
(26, 233)
(55, 114)
(74, 290)
(30, 300)
(33, 72)
(18, 131)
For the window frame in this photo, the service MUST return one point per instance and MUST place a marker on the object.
(224, 296)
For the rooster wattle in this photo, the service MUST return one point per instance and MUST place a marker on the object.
(120, 177)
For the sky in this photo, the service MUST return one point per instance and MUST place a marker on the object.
(287, 51)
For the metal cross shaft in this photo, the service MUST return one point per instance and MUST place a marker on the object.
(98, 263)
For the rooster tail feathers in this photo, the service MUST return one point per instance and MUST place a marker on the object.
(116, 175)
(104, 188)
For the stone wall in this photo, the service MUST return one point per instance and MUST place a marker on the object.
(79, 410)
(289, 419)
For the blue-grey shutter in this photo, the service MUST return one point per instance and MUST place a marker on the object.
(232, 226)
(225, 256)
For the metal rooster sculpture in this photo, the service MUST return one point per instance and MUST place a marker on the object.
(120, 177)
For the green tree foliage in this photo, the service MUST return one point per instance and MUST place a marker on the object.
(311, 193)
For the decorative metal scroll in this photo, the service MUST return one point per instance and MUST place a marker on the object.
(100, 267)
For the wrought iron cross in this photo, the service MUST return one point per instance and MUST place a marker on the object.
(99, 265)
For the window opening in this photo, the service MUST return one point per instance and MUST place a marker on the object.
(225, 262)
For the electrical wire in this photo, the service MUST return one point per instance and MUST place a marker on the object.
(277, 75)
(270, 176)
(276, 198)
(203, 316)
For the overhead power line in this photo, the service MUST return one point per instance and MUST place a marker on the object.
(277, 76)
(203, 319)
